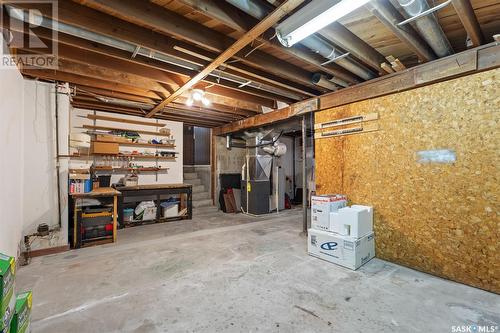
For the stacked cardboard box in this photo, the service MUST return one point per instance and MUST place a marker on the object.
(339, 234)
(7, 298)
(15, 311)
(21, 322)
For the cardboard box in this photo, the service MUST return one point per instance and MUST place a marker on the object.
(8, 315)
(21, 320)
(7, 300)
(341, 250)
(106, 148)
(322, 206)
(111, 138)
(355, 221)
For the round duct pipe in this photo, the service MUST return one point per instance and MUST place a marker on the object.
(428, 26)
(321, 80)
(260, 8)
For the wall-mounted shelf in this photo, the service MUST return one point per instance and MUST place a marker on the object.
(109, 128)
(138, 144)
(145, 169)
(138, 157)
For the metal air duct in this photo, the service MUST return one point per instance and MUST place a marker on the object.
(322, 81)
(259, 10)
(428, 26)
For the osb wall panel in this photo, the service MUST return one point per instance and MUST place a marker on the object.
(438, 218)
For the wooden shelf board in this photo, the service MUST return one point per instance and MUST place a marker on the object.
(109, 128)
(138, 144)
(126, 121)
(145, 157)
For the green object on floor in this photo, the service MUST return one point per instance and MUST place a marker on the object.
(22, 316)
(7, 301)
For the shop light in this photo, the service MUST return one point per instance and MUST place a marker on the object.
(197, 94)
(313, 17)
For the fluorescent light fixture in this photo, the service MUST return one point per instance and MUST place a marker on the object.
(313, 17)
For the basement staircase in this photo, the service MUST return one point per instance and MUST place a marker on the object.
(201, 197)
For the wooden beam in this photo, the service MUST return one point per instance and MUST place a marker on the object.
(483, 58)
(255, 121)
(268, 22)
(55, 75)
(137, 112)
(92, 91)
(125, 121)
(469, 20)
(180, 109)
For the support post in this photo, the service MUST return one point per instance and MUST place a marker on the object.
(304, 175)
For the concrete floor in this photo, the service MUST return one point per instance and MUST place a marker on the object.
(233, 273)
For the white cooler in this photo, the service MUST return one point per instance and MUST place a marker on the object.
(355, 221)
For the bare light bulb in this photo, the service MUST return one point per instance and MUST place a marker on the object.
(205, 101)
(189, 102)
(197, 94)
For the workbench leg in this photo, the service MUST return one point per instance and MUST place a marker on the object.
(121, 222)
(115, 216)
(75, 224)
(190, 203)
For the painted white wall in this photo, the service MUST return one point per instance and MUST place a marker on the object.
(174, 175)
(11, 162)
(40, 202)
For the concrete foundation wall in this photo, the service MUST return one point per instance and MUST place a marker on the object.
(40, 202)
(11, 162)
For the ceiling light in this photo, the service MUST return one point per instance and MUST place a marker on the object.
(205, 101)
(189, 102)
(198, 94)
(313, 17)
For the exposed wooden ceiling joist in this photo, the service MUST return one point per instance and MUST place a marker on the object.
(200, 121)
(158, 18)
(83, 51)
(261, 27)
(390, 17)
(92, 20)
(242, 22)
(469, 20)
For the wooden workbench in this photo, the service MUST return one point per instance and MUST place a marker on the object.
(132, 195)
(103, 192)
